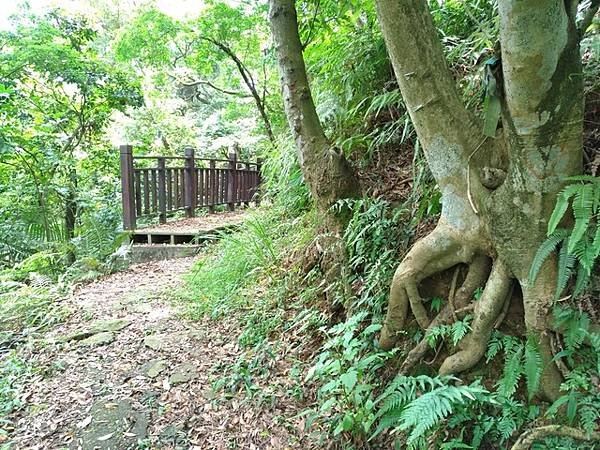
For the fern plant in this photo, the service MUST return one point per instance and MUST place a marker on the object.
(579, 246)
(417, 405)
(582, 354)
(347, 370)
(522, 360)
(455, 332)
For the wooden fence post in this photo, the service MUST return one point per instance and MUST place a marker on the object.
(232, 181)
(246, 183)
(127, 187)
(211, 186)
(162, 190)
(259, 163)
(190, 183)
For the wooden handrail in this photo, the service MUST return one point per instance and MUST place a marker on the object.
(163, 190)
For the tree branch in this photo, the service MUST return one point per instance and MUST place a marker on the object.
(211, 85)
(312, 26)
(249, 80)
(527, 439)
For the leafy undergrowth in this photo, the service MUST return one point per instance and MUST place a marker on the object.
(31, 295)
(342, 383)
(14, 373)
(25, 313)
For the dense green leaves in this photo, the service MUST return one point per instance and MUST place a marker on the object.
(579, 246)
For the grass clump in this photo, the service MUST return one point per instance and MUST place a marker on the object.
(235, 272)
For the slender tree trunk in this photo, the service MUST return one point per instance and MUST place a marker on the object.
(497, 193)
(326, 171)
(71, 212)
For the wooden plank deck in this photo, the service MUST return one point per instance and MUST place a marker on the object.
(189, 230)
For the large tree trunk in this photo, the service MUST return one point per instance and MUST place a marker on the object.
(497, 193)
(325, 168)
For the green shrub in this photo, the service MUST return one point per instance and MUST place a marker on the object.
(13, 373)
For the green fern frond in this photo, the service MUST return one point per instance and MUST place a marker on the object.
(547, 247)
(394, 401)
(494, 346)
(583, 277)
(513, 369)
(532, 366)
(460, 329)
(589, 417)
(585, 252)
(387, 421)
(582, 209)
(596, 242)
(566, 262)
(562, 203)
(431, 408)
(506, 426)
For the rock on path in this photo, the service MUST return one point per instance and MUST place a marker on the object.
(126, 371)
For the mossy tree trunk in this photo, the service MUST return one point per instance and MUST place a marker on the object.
(499, 218)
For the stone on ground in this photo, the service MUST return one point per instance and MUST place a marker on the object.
(183, 373)
(153, 368)
(110, 325)
(155, 341)
(111, 426)
(103, 338)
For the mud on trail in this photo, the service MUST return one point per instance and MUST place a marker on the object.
(127, 371)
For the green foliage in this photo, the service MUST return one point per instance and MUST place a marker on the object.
(419, 404)
(374, 237)
(346, 370)
(521, 361)
(580, 399)
(13, 374)
(579, 247)
(27, 311)
(283, 180)
(455, 332)
(59, 96)
(218, 280)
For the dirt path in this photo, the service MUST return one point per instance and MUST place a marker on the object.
(125, 371)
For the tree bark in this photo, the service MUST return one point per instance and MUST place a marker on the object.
(539, 144)
(326, 170)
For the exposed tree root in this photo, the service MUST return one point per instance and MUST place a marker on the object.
(560, 365)
(436, 252)
(487, 310)
(505, 308)
(476, 276)
(527, 439)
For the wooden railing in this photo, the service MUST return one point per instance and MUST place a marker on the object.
(162, 185)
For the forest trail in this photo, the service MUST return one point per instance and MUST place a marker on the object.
(127, 371)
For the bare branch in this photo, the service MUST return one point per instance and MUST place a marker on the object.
(211, 85)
